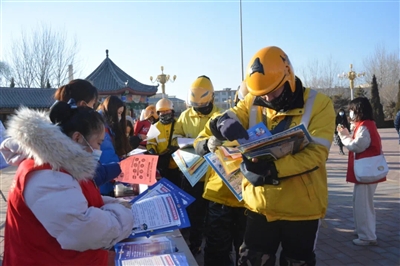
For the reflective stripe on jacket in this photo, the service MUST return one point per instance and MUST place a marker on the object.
(303, 196)
(160, 143)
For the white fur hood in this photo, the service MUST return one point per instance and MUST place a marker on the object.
(43, 141)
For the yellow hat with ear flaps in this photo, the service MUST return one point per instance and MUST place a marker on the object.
(201, 92)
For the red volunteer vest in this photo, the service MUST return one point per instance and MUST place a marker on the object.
(374, 149)
(26, 241)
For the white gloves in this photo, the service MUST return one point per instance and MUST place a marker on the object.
(213, 144)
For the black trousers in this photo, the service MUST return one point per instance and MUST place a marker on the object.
(339, 141)
(262, 239)
(197, 213)
(225, 227)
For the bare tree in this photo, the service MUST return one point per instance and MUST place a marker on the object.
(386, 67)
(323, 75)
(5, 73)
(42, 55)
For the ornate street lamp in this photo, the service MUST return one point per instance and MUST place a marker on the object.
(162, 79)
(351, 76)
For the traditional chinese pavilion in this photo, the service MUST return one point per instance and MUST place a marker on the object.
(109, 79)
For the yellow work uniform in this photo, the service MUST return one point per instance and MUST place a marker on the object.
(160, 143)
(214, 188)
(190, 123)
(303, 196)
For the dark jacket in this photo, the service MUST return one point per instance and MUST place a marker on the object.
(397, 121)
(343, 121)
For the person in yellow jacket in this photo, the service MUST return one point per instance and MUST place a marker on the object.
(285, 198)
(189, 125)
(165, 144)
(226, 221)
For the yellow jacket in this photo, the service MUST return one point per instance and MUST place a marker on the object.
(190, 123)
(303, 196)
(160, 143)
(214, 188)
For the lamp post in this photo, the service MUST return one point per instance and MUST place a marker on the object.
(351, 76)
(162, 79)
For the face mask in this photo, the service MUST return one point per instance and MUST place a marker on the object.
(204, 110)
(166, 118)
(341, 113)
(95, 153)
(351, 114)
(280, 103)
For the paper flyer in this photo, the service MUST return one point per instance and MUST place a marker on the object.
(139, 169)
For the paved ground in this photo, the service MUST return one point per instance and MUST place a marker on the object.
(334, 245)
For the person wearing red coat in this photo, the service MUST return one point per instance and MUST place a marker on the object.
(365, 142)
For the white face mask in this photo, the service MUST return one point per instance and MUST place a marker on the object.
(95, 153)
(351, 114)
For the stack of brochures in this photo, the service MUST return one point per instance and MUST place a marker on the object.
(151, 251)
(193, 166)
(162, 207)
(262, 145)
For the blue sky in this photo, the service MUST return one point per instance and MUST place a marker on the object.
(192, 38)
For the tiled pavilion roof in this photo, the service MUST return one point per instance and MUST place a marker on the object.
(110, 79)
(29, 97)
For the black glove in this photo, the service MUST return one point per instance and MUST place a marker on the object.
(259, 173)
(225, 127)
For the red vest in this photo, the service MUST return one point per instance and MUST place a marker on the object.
(374, 149)
(142, 127)
(26, 241)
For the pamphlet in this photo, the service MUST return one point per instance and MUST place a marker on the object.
(173, 259)
(278, 145)
(144, 248)
(161, 208)
(165, 186)
(233, 181)
(193, 166)
(255, 133)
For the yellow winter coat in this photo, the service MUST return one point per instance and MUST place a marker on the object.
(160, 143)
(190, 123)
(304, 196)
(214, 188)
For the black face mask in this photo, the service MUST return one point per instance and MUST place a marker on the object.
(204, 110)
(280, 103)
(166, 118)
